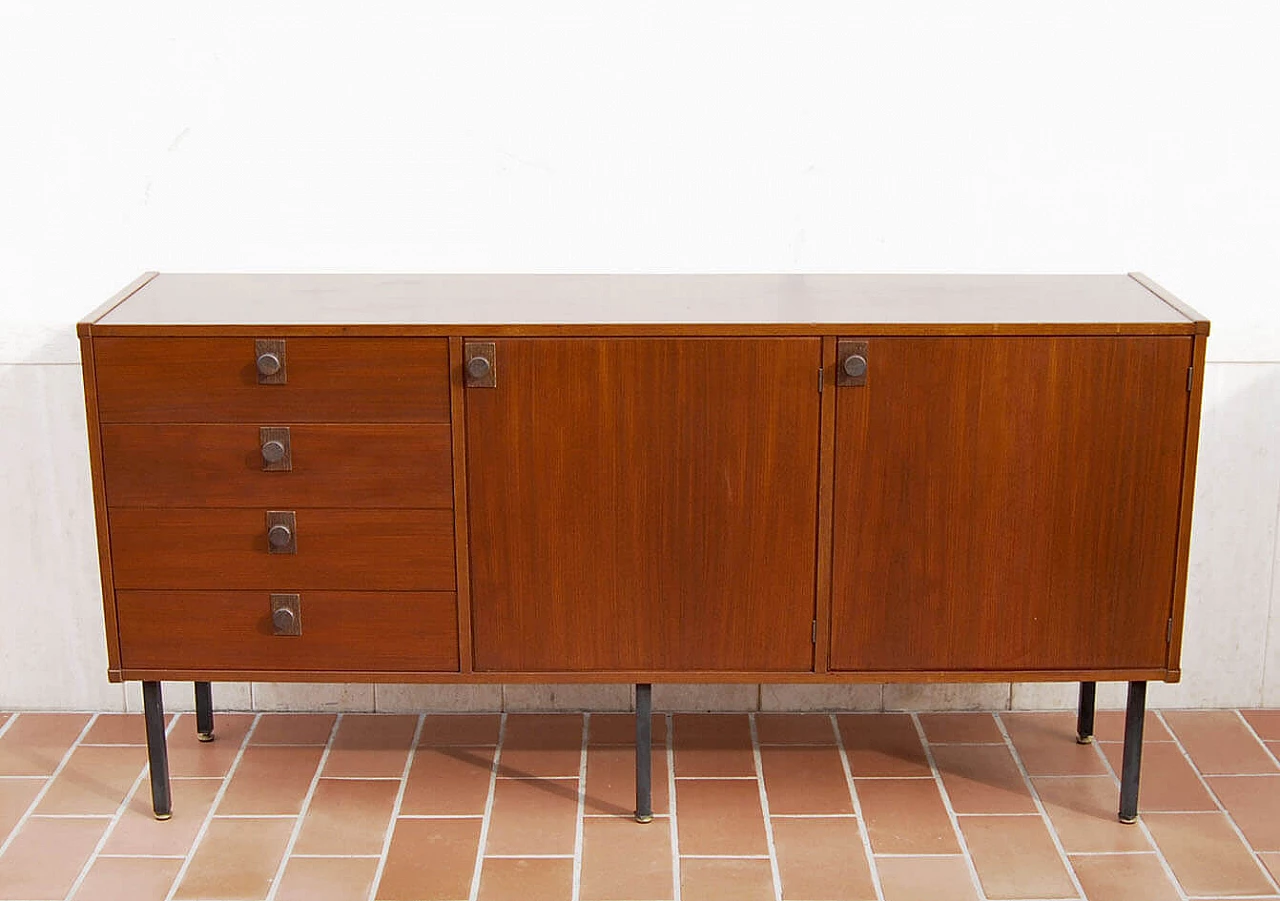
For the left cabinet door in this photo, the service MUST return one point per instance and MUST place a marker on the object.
(644, 504)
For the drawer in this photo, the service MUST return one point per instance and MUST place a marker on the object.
(325, 380)
(376, 550)
(232, 630)
(365, 465)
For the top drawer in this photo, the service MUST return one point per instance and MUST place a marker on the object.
(325, 380)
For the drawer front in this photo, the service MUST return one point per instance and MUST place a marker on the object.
(232, 630)
(325, 380)
(365, 465)
(375, 550)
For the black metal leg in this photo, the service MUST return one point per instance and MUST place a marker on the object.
(644, 755)
(1084, 712)
(157, 750)
(1134, 715)
(204, 711)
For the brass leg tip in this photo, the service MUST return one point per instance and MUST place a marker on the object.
(644, 818)
(205, 736)
(1084, 739)
(163, 816)
(1128, 821)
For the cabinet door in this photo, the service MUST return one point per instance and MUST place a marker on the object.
(644, 504)
(1008, 503)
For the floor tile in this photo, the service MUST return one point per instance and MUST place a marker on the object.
(822, 858)
(460, 729)
(795, 729)
(713, 745)
(1218, 742)
(1108, 725)
(883, 744)
(95, 780)
(139, 832)
(926, 879)
(543, 745)
(905, 816)
(611, 781)
(371, 745)
(1254, 803)
(1083, 812)
(622, 859)
(1123, 877)
(119, 729)
(964, 728)
(1015, 858)
(36, 743)
(348, 816)
(16, 796)
(448, 781)
(292, 729)
(327, 879)
(805, 780)
(533, 817)
(620, 729)
(430, 860)
(1167, 781)
(128, 879)
(983, 779)
(237, 860)
(718, 880)
(47, 856)
(1206, 855)
(528, 879)
(1272, 862)
(1047, 744)
(271, 780)
(720, 816)
(188, 756)
(1264, 722)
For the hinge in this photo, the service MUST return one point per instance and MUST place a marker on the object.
(814, 636)
(1191, 371)
(1168, 635)
(819, 379)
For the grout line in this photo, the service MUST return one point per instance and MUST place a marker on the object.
(1265, 747)
(867, 852)
(8, 724)
(35, 802)
(118, 815)
(669, 722)
(487, 817)
(1231, 821)
(395, 808)
(764, 807)
(296, 831)
(217, 799)
(949, 807)
(1035, 797)
(582, 804)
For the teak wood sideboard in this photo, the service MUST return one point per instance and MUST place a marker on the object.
(635, 478)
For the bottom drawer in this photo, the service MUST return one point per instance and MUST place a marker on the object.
(385, 631)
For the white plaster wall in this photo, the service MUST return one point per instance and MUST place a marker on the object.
(717, 136)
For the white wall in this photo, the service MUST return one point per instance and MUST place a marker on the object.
(907, 136)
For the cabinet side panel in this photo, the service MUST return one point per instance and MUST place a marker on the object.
(88, 367)
(1192, 448)
(1009, 503)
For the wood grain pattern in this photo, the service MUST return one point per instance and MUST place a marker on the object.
(358, 550)
(1190, 452)
(230, 630)
(826, 487)
(641, 504)
(1202, 324)
(84, 327)
(334, 465)
(1009, 504)
(329, 380)
(462, 551)
(100, 517)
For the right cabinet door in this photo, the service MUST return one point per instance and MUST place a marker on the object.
(1008, 503)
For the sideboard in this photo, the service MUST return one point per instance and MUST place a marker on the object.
(643, 478)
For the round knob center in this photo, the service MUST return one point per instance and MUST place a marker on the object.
(283, 618)
(268, 364)
(279, 535)
(273, 451)
(855, 366)
(478, 367)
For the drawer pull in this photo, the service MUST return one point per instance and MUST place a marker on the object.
(282, 530)
(853, 363)
(286, 614)
(277, 455)
(270, 361)
(480, 371)
(855, 366)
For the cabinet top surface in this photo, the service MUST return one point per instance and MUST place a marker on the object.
(451, 301)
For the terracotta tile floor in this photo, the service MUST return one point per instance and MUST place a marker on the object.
(883, 807)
